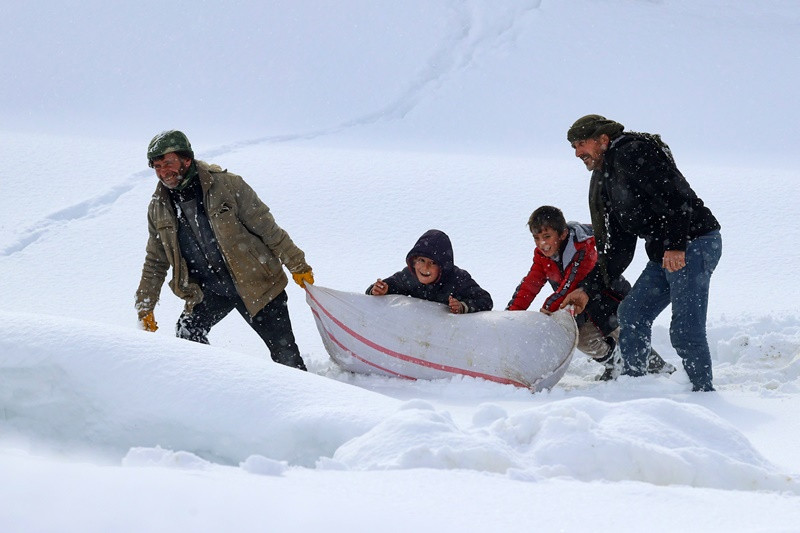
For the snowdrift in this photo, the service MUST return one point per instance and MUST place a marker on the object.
(409, 338)
(77, 386)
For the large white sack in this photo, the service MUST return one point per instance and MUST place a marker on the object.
(411, 338)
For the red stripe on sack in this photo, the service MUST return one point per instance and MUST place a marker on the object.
(346, 349)
(414, 360)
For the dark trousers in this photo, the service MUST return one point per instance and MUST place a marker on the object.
(271, 323)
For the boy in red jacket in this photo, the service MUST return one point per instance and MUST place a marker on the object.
(565, 253)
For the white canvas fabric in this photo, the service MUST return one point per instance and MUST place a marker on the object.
(409, 338)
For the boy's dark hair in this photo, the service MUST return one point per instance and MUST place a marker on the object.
(548, 216)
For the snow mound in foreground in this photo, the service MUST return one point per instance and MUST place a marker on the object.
(656, 441)
(149, 399)
(81, 386)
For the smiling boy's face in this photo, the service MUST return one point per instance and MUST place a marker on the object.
(426, 270)
(548, 240)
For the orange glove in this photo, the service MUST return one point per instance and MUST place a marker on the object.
(301, 278)
(149, 322)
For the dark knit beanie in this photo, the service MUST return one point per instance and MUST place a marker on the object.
(592, 126)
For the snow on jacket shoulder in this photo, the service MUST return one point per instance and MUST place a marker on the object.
(576, 260)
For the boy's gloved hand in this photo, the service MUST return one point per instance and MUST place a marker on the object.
(301, 278)
(149, 322)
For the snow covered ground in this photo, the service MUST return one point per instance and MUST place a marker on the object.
(362, 126)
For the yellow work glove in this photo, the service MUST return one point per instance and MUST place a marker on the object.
(149, 322)
(301, 278)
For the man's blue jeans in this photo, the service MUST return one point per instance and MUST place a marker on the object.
(687, 291)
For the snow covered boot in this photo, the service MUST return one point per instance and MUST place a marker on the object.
(657, 365)
(613, 365)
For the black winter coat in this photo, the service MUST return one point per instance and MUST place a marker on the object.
(642, 194)
(435, 245)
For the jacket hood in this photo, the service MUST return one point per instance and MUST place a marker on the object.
(578, 233)
(433, 244)
(582, 232)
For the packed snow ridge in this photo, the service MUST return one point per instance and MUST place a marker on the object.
(77, 386)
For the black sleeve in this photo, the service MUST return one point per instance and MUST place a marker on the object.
(398, 283)
(618, 255)
(621, 249)
(468, 291)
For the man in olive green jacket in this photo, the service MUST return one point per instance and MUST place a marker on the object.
(224, 247)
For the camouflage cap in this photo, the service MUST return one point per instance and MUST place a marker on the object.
(592, 126)
(167, 142)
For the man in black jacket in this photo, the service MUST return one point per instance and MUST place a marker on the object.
(636, 191)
